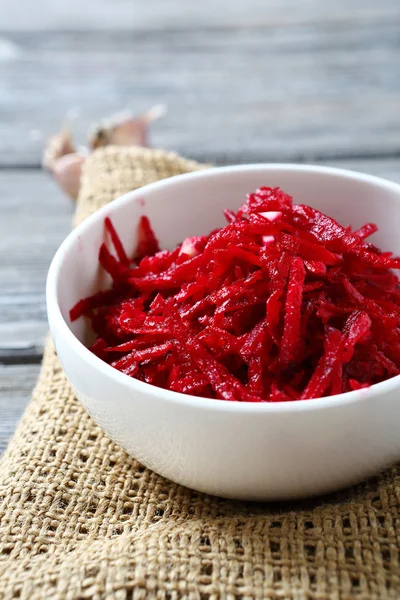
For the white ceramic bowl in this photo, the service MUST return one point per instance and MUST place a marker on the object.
(237, 450)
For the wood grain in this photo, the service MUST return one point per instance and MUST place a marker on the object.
(94, 15)
(36, 217)
(16, 384)
(298, 92)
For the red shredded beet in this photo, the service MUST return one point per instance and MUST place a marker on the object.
(147, 241)
(283, 303)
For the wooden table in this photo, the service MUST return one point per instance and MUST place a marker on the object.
(261, 80)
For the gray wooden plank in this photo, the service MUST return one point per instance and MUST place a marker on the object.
(286, 92)
(386, 168)
(29, 238)
(35, 217)
(93, 15)
(16, 383)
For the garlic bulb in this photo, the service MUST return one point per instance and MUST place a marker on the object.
(64, 160)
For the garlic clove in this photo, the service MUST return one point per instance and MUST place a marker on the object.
(123, 129)
(61, 143)
(67, 172)
(57, 146)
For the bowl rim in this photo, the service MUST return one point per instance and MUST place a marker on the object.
(57, 320)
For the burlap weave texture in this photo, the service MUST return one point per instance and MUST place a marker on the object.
(81, 519)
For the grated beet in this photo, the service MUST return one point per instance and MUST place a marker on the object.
(283, 303)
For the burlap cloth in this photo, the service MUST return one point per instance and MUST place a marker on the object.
(81, 519)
